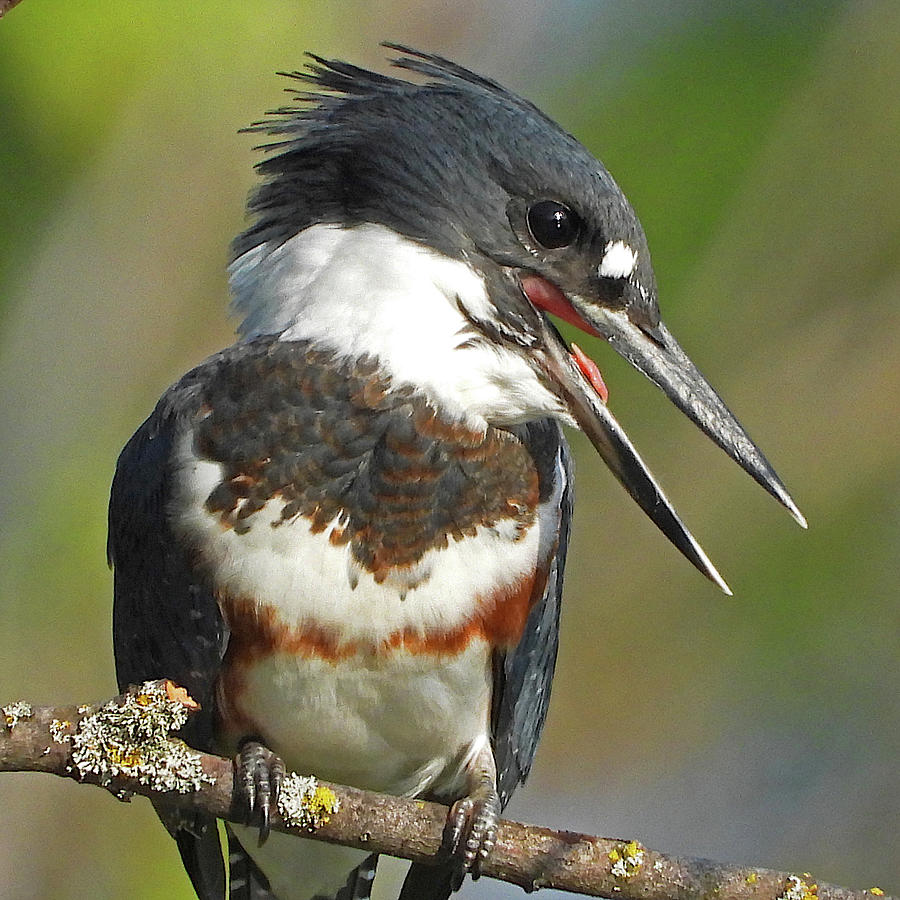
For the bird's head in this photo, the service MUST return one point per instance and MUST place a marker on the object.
(480, 180)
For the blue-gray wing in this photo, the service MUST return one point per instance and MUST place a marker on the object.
(522, 677)
(166, 622)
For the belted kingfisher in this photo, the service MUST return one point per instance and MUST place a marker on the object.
(345, 534)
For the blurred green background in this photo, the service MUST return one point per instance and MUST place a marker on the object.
(759, 143)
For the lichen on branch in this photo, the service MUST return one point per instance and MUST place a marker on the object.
(126, 746)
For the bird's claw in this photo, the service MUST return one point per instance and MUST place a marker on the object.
(259, 774)
(471, 831)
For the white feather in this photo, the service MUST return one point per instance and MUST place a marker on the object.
(367, 290)
(618, 260)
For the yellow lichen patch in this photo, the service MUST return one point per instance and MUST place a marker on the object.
(324, 802)
(124, 757)
(626, 859)
(304, 803)
(795, 888)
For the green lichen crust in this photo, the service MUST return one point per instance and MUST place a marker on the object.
(130, 737)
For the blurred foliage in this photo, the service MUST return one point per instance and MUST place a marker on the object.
(758, 143)
(688, 121)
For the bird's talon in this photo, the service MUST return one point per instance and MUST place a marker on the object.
(471, 832)
(264, 826)
(259, 776)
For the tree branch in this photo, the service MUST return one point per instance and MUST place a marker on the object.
(6, 6)
(124, 746)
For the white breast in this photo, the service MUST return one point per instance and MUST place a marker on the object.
(401, 722)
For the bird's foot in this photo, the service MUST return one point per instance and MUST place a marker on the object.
(259, 774)
(472, 831)
(471, 828)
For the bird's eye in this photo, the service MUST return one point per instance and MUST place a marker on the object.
(553, 225)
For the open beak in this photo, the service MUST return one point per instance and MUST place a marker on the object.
(655, 353)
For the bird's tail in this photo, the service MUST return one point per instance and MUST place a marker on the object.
(245, 881)
(428, 882)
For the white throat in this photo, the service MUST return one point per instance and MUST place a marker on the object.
(367, 290)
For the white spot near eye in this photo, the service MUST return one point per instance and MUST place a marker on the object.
(618, 260)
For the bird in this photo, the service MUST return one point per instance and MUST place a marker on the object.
(345, 534)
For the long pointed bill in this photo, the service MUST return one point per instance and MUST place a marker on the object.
(604, 432)
(659, 357)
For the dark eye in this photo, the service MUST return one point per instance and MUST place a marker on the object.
(553, 225)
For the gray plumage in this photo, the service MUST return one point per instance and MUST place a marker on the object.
(522, 679)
